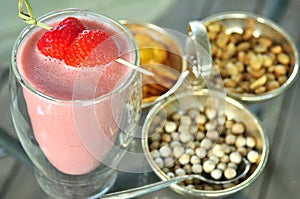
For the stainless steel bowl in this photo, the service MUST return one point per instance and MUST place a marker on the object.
(234, 110)
(236, 21)
(175, 54)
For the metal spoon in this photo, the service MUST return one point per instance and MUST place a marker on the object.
(139, 191)
(198, 51)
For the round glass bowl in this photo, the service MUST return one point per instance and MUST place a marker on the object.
(257, 59)
(155, 129)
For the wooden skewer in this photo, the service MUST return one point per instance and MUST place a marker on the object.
(130, 65)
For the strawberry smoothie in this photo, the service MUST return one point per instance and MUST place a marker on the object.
(75, 115)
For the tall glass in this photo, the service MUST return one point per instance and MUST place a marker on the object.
(76, 144)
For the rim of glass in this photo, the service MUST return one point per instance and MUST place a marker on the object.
(70, 12)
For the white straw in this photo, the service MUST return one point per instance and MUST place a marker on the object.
(130, 65)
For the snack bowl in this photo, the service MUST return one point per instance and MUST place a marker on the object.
(162, 140)
(160, 53)
(257, 59)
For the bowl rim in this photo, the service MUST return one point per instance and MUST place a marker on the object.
(192, 192)
(292, 78)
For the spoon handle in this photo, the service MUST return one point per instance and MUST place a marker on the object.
(139, 191)
(199, 33)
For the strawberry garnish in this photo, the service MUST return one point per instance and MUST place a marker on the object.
(55, 42)
(91, 48)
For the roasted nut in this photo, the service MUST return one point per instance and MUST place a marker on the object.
(242, 150)
(256, 62)
(255, 74)
(201, 152)
(155, 154)
(175, 136)
(165, 151)
(260, 90)
(280, 70)
(193, 113)
(259, 82)
(248, 63)
(178, 151)
(271, 85)
(170, 126)
(166, 137)
(216, 174)
(270, 76)
(212, 35)
(264, 41)
(241, 56)
(190, 151)
(243, 46)
(185, 137)
(170, 174)
(229, 173)
(238, 128)
(230, 139)
(283, 58)
(185, 120)
(174, 143)
(154, 145)
(268, 61)
(232, 165)
(197, 168)
(212, 134)
(188, 170)
(159, 161)
(235, 157)
(195, 159)
(169, 162)
(176, 116)
(184, 159)
(229, 83)
(180, 172)
(221, 166)
(200, 119)
(206, 143)
(222, 40)
(282, 79)
(215, 27)
(193, 151)
(225, 159)
(218, 150)
(208, 166)
(253, 156)
(200, 135)
(240, 141)
(276, 49)
(250, 142)
(214, 158)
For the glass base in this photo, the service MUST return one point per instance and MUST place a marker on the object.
(91, 188)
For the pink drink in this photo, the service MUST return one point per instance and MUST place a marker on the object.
(73, 125)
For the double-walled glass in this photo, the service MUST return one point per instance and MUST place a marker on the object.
(76, 144)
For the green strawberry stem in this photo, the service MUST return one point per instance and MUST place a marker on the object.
(29, 17)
